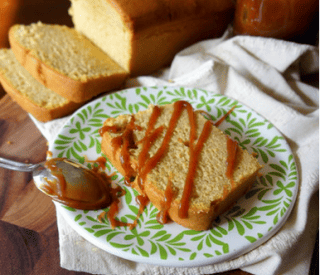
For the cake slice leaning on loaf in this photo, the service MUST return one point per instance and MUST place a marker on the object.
(65, 61)
(32, 96)
(187, 167)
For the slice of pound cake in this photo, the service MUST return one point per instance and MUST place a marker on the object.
(65, 61)
(187, 167)
(33, 97)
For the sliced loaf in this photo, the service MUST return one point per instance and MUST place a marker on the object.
(65, 61)
(32, 96)
(143, 36)
(214, 187)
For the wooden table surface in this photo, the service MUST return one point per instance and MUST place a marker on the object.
(28, 229)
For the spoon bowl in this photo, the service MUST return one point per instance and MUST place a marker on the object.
(67, 182)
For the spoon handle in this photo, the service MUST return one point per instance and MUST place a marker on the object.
(17, 166)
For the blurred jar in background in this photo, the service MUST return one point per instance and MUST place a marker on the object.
(31, 11)
(8, 15)
(284, 19)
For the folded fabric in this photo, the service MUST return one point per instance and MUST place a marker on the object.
(264, 74)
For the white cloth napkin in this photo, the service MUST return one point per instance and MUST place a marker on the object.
(264, 74)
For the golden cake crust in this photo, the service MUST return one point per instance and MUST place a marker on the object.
(144, 13)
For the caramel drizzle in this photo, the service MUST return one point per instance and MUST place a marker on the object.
(217, 123)
(194, 159)
(142, 200)
(114, 209)
(224, 117)
(125, 141)
(101, 161)
(146, 163)
(232, 148)
(152, 162)
(162, 216)
(179, 106)
(150, 136)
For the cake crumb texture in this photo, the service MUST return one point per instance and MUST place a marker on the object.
(213, 192)
(65, 50)
(32, 96)
(22, 81)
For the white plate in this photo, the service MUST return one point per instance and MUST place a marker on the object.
(253, 220)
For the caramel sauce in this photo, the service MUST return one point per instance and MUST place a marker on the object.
(111, 214)
(74, 195)
(116, 143)
(150, 136)
(162, 216)
(194, 159)
(114, 208)
(217, 123)
(60, 183)
(142, 200)
(152, 162)
(125, 141)
(101, 161)
(147, 163)
(232, 148)
(47, 188)
(224, 117)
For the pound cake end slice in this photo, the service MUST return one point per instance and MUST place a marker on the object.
(187, 167)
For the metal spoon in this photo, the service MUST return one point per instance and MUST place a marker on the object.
(67, 182)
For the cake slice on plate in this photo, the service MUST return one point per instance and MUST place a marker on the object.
(187, 167)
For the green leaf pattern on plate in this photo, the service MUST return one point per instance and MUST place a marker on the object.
(271, 196)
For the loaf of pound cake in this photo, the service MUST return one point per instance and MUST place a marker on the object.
(143, 36)
(187, 167)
